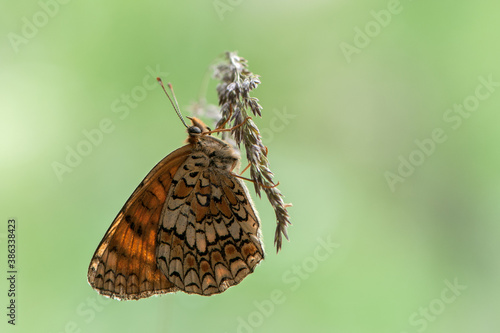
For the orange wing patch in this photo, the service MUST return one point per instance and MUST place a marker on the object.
(124, 264)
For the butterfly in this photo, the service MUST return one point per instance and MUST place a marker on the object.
(189, 226)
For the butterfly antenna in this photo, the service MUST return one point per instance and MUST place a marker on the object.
(175, 105)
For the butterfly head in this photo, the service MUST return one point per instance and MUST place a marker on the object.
(196, 129)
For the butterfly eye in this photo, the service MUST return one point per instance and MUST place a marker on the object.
(194, 130)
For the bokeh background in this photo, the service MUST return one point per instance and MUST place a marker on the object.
(354, 94)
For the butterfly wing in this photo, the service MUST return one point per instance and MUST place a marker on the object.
(209, 237)
(124, 264)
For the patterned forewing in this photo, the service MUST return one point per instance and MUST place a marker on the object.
(124, 264)
(209, 237)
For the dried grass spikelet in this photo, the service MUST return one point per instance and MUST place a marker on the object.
(236, 83)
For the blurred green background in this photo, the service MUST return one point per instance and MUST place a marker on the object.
(353, 94)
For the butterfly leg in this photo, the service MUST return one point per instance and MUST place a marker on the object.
(249, 164)
(217, 130)
(246, 168)
(253, 181)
